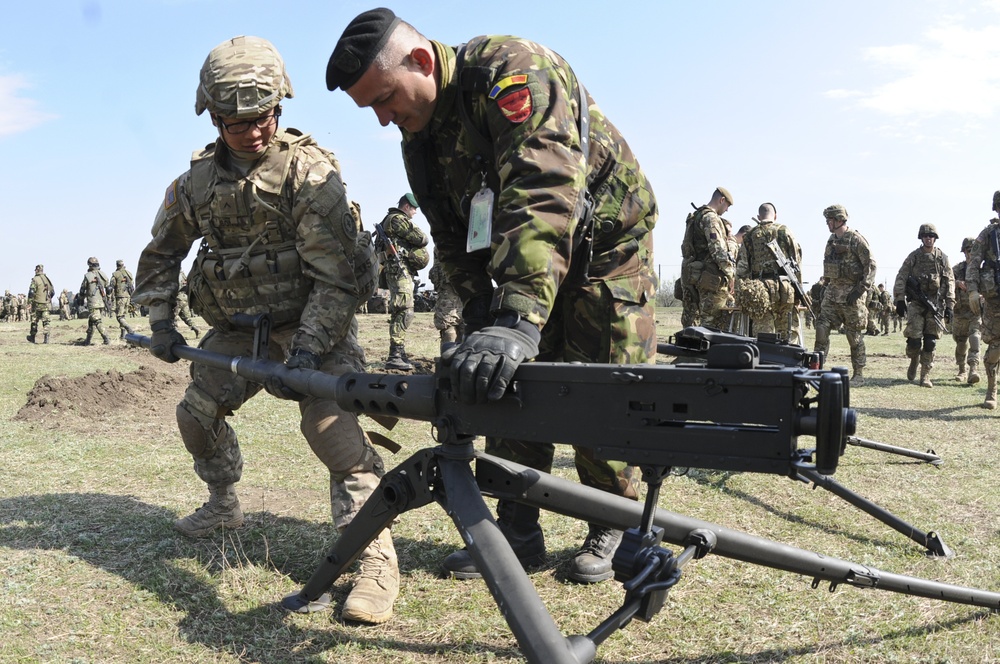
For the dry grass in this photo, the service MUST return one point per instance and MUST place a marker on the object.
(95, 573)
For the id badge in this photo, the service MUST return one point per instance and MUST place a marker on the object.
(480, 221)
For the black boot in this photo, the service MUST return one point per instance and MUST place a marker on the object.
(46, 340)
(397, 358)
(592, 563)
(519, 525)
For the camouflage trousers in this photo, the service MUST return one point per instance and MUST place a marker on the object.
(182, 310)
(609, 322)
(447, 309)
(920, 323)
(991, 329)
(853, 317)
(334, 435)
(712, 302)
(400, 303)
(94, 322)
(965, 332)
(39, 314)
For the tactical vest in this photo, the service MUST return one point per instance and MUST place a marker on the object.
(762, 262)
(122, 281)
(694, 246)
(928, 268)
(42, 290)
(97, 285)
(840, 261)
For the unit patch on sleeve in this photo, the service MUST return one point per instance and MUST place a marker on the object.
(171, 196)
(516, 105)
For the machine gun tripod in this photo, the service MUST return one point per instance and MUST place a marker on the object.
(660, 416)
(699, 342)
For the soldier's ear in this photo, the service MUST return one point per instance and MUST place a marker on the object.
(422, 60)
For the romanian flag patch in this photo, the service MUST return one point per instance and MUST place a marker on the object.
(171, 196)
(516, 105)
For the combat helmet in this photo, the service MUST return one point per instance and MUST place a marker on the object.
(243, 77)
(119, 263)
(836, 212)
(927, 229)
(996, 202)
(39, 269)
(967, 244)
(93, 262)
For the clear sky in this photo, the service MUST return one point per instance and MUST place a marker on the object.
(888, 107)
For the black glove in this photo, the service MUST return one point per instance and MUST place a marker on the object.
(298, 359)
(900, 308)
(949, 315)
(855, 294)
(165, 337)
(483, 365)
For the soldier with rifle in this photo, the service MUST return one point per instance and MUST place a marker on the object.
(982, 277)
(40, 293)
(966, 324)
(94, 290)
(770, 260)
(924, 287)
(122, 285)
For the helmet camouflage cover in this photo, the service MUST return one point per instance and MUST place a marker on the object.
(93, 262)
(927, 229)
(838, 212)
(967, 243)
(243, 77)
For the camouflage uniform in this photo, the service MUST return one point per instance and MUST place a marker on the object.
(884, 309)
(182, 307)
(122, 286)
(8, 306)
(849, 270)
(94, 289)
(399, 271)
(40, 294)
(965, 324)
(756, 262)
(933, 272)
(277, 236)
(447, 307)
(707, 269)
(64, 313)
(980, 279)
(590, 288)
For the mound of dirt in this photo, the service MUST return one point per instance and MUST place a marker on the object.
(98, 395)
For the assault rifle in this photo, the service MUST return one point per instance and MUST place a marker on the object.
(789, 267)
(389, 247)
(916, 294)
(995, 243)
(653, 416)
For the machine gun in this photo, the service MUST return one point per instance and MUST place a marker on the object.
(652, 416)
(789, 267)
(916, 294)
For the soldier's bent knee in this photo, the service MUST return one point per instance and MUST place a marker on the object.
(930, 343)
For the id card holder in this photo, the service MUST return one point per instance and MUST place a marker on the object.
(480, 221)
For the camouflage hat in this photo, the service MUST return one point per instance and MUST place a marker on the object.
(93, 262)
(927, 229)
(838, 212)
(996, 202)
(357, 47)
(39, 269)
(120, 263)
(725, 194)
(242, 78)
(967, 243)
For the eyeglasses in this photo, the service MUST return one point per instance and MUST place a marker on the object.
(263, 122)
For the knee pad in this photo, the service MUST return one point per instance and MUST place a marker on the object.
(408, 318)
(930, 343)
(992, 355)
(336, 438)
(912, 345)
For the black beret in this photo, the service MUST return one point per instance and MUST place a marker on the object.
(362, 40)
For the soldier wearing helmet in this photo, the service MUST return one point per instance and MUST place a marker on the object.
(122, 285)
(965, 325)
(926, 270)
(94, 290)
(982, 274)
(849, 271)
(277, 236)
(40, 293)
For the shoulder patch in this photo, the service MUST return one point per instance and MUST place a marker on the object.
(516, 106)
(170, 197)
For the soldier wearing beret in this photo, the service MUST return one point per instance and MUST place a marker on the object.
(707, 266)
(542, 217)
(850, 271)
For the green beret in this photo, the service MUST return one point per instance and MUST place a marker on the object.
(411, 199)
(356, 49)
(725, 194)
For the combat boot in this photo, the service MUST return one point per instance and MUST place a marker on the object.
(221, 511)
(45, 339)
(197, 332)
(592, 563)
(961, 376)
(397, 359)
(377, 585)
(30, 338)
(911, 371)
(519, 525)
(858, 379)
(107, 339)
(973, 373)
(90, 335)
(926, 364)
(990, 403)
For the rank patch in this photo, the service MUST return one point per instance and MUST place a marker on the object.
(516, 106)
(171, 196)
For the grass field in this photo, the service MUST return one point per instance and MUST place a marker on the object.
(92, 478)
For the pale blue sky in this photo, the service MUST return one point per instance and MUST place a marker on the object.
(887, 107)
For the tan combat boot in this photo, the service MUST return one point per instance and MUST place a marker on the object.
(911, 371)
(377, 585)
(858, 379)
(961, 375)
(926, 364)
(990, 403)
(221, 511)
(973, 373)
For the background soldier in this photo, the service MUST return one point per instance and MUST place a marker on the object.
(94, 289)
(447, 307)
(182, 308)
(573, 281)
(759, 277)
(402, 253)
(272, 211)
(64, 313)
(707, 271)
(982, 277)
(849, 270)
(40, 294)
(885, 309)
(9, 307)
(965, 325)
(932, 271)
(122, 286)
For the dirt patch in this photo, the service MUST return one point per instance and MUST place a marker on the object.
(59, 401)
